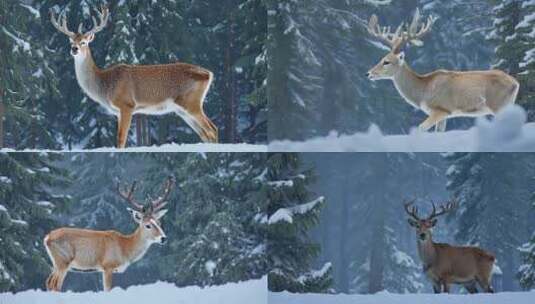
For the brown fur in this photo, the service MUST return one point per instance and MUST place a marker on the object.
(104, 251)
(445, 264)
(129, 89)
(441, 94)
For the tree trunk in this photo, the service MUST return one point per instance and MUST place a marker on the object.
(230, 102)
(146, 131)
(343, 278)
(139, 138)
(142, 131)
(377, 251)
(509, 273)
(2, 114)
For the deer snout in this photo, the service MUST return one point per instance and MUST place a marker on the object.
(74, 50)
(370, 75)
(163, 240)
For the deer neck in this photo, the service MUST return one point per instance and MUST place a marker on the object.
(87, 74)
(410, 85)
(427, 252)
(135, 246)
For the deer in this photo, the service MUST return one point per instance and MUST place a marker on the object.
(124, 90)
(445, 264)
(441, 94)
(108, 252)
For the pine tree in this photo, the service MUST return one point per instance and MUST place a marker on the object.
(216, 221)
(513, 32)
(251, 67)
(26, 79)
(27, 207)
(292, 211)
(526, 271)
(526, 76)
(97, 204)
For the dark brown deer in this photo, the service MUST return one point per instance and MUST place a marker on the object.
(445, 264)
(125, 90)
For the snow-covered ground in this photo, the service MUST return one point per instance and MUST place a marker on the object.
(171, 148)
(508, 132)
(389, 298)
(251, 292)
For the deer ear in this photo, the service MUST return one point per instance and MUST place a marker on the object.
(433, 222)
(136, 215)
(90, 37)
(160, 214)
(412, 222)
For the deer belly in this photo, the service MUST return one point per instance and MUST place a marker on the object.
(164, 107)
(476, 112)
(84, 266)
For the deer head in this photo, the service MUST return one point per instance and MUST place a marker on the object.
(394, 60)
(80, 41)
(148, 215)
(423, 226)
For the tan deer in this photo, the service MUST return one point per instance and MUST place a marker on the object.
(85, 250)
(445, 264)
(125, 90)
(440, 94)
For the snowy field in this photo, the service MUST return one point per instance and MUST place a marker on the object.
(251, 292)
(508, 132)
(388, 298)
(171, 148)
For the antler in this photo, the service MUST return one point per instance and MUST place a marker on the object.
(103, 16)
(129, 196)
(397, 39)
(384, 33)
(413, 35)
(160, 202)
(412, 211)
(62, 24)
(443, 209)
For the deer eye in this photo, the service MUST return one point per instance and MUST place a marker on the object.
(386, 62)
(83, 43)
(148, 226)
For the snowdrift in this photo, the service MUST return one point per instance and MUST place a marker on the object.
(252, 292)
(389, 298)
(170, 148)
(508, 132)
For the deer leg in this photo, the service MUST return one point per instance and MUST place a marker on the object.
(437, 287)
(194, 116)
(434, 118)
(441, 126)
(60, 279)
(190, 109)
(106, 279)
(485, 285)
(59, 271)
(209, 130)
(471, 287)
(50, 280)
(124, 121)
(446, 287)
